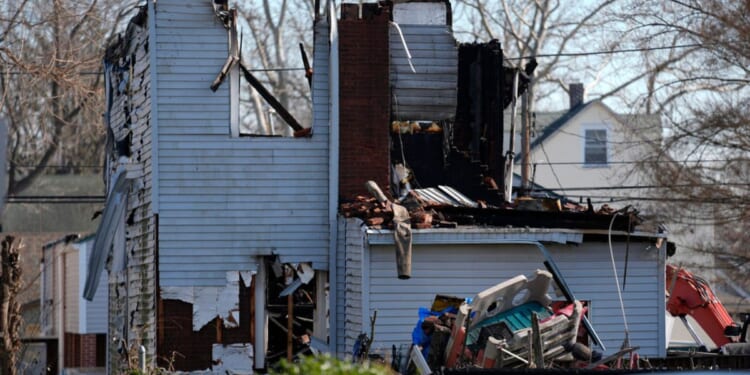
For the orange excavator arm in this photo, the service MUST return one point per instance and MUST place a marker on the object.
(691, 295)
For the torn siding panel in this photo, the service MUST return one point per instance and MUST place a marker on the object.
(232, 359)
(228, 195)
(197, 345)
(132, 289)
(212, 302)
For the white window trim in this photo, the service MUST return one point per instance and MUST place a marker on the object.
(234, 86)
(601, 126)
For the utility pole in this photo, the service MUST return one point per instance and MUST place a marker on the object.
(526, 141)
(508, 183)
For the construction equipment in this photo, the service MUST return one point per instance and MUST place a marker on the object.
(691, 295)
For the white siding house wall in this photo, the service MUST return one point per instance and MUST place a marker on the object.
(225, 200)
(566, 148)
(71, 291)
(464, 269)
(343, 224)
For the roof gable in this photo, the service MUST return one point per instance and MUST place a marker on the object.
(566, 118)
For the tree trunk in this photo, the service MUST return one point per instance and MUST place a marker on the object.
(10, 316)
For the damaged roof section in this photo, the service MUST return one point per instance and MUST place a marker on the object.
(446, 161)
(445, 207)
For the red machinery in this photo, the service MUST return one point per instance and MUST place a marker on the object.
(691, 295)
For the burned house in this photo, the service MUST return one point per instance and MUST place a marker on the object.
(465, 237)
(214, 242)
(195, 212)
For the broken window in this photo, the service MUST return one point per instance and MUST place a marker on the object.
(595, 147)
(271, 104)
(270, 84)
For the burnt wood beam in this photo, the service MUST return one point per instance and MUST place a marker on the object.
(272, 101)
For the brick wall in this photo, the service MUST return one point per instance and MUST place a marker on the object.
(86, 350)
(365, 99)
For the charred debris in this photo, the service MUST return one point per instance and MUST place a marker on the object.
(451, 171)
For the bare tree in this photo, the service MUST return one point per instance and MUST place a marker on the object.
(547, 29)
(271, 33)
(701, 167)
(688, 61)
(50, 84)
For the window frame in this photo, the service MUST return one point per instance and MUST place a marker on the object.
(584, 147)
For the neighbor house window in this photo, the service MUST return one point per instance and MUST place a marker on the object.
(595, 147)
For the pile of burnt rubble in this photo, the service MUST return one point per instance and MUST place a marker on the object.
(444, 207)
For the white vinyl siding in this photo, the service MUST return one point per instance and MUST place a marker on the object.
(430, 93)
(224, 200)
(354, 281)
(93, 314)
(463, 270)
(595, 147)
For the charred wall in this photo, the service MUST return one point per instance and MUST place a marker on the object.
(132, 266)
(180, 347)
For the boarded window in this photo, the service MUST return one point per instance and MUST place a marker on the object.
(595, 148)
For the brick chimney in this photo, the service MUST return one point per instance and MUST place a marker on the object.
(576, 94)
(365, 107)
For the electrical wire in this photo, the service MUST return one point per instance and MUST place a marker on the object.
(43, 199)
(610, 52)
(16, 73)
(676, 186)
(626, 341)
(553, 170)
(645, 162)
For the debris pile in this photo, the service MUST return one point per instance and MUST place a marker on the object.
(511, 325)
(446, 207)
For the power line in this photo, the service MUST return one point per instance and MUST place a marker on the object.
(638, 187)
(610, 52)
(43, 199)
(643, 162)
(16, 73)
(71, 166)
(612, 199)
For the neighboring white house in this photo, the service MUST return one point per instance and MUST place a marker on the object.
(79, 325)
(590, 151)
(589, 148)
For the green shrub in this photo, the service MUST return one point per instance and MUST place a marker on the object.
(325, 365)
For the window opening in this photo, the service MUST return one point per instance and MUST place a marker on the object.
(595, 148)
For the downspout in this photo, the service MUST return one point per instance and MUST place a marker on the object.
(333, 174)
